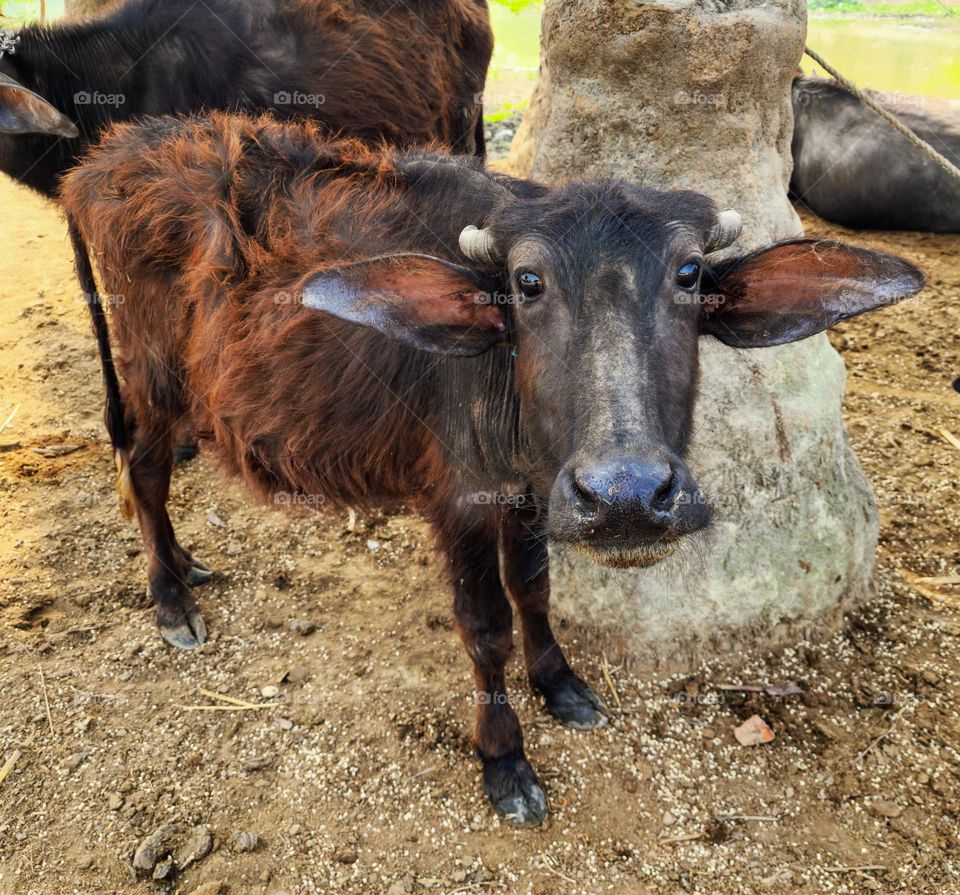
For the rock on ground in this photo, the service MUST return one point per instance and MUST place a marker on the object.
(692, 97)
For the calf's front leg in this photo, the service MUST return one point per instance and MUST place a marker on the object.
(524, 568)
(485, 625)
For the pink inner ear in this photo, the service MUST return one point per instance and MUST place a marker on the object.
(427, 293)
(792, 290)
(798, 277)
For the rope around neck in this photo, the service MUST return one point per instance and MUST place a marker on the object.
(889, 117)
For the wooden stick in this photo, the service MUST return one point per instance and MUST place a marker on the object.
(8, 766)
(605, 668)
(46, 702)
(226, 708)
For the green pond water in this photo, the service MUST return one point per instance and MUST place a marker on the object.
(900, 55)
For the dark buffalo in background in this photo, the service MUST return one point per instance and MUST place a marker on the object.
(409, 72)
(851, 167)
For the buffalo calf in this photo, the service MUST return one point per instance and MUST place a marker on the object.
(517, 362)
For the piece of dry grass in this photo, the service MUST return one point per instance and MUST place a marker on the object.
(230, 700)
(939, 579)
(605, 668)
(9, 419)
(46, 702)
(228, 703)
(8, 765)
(859, 869)
(951, 438)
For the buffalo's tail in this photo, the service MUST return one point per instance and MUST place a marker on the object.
(113, 411)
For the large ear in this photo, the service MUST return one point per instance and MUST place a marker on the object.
(418, 300)
(794, 289)
(24, 112)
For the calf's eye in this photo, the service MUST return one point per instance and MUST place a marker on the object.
(688, 276)
(530, 285)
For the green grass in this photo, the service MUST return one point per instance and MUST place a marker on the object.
(19, 12)
(514, 5)
(504, 110)
(926, 8)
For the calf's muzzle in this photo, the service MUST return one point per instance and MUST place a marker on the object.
(626, 511)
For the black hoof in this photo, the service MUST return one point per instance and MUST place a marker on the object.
(185, 451)
(182, 628)
(512, 788)
(574, 704)
(199, 573)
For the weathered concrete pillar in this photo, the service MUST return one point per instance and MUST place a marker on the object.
(697, 96)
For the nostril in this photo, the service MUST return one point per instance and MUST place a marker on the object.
(582, 488)
(662, 496)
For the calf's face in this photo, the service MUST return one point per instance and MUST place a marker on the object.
(601, 291)
(603, 282)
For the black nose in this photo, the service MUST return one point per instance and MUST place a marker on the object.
(648, 488)
(626, 502)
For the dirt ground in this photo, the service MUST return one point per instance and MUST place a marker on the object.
(354, 769)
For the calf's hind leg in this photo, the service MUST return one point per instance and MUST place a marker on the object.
(170, 569)
(524, 569)
(484, 622)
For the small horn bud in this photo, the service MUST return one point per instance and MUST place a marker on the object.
(726, 230)
(478, 245)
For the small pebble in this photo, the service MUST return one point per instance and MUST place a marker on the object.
(163, 870)
(302, 626)
(296, 675)
(884, 808)
(244, 841)
(271, 691)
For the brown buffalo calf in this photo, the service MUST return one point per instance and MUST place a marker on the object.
(338, 326)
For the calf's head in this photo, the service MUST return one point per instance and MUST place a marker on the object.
(601, 292)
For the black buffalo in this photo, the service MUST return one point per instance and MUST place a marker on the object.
(851, 167)
(409, 72)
